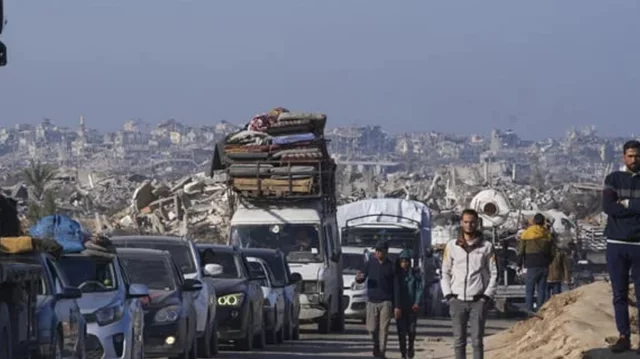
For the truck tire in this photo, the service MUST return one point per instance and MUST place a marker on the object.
(337, 325)
(6, 342)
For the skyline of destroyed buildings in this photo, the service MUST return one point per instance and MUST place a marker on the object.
(99, 174)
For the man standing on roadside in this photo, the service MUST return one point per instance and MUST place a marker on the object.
(621, 203)
(469, 281)
(535, 253)
(382, 293)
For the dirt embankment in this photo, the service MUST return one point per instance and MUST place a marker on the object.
(572, 325)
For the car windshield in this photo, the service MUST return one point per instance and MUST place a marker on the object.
(153, 271)
(353, 263)
(276, 265)
(181, 252)
(300, 242)
(228, 261)
(89, 274)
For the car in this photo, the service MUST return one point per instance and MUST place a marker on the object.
(111, 305)
(274, 315)
(353, 261)
(171, 315)
(62, 328)
(240, 299)
(290, 282)
(185, 254)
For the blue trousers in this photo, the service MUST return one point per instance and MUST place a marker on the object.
(536, 283)
(622, 258)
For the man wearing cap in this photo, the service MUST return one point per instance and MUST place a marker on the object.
(382, 292)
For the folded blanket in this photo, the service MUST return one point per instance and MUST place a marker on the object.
(14, 245)
(291, 139)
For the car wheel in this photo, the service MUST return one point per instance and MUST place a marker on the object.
(280, 335)
(295, 335)
(246, 344)
(56, 350)
(272, 335)
(287, 327)
(324, 325)
(337, 325)
(261, 338)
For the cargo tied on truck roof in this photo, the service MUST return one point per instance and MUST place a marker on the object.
(280, 154)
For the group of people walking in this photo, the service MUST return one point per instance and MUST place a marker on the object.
(469, 281)
(469, 274)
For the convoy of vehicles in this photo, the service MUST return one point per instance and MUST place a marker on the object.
(170, 315)
(240, 297)
(185, 254)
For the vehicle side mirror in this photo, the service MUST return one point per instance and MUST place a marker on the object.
(296, 278)
(69, 293)
(212, 270)
(192, 285)
(3, 52)
(137, 290)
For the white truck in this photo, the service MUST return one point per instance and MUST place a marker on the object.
(404, 224)
(282, 193)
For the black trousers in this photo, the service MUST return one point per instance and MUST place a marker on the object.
(406, 327)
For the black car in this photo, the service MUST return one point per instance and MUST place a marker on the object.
(170, 316)
(240, 299)
(290, 282)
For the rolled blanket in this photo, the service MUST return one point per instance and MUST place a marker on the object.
(15, 245)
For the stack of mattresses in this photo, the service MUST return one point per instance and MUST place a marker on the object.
(288, 158)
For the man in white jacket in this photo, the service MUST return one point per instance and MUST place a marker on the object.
(469, 281)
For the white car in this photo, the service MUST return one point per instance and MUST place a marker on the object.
(353, 261)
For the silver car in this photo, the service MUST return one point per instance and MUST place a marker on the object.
(274, 301)
(111, 306)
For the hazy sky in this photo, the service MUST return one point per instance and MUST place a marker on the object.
(463, 66)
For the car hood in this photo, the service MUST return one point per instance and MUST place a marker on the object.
(90, 302)
(227, 286)
(161, 298)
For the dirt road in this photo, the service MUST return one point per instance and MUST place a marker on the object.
(434, 342)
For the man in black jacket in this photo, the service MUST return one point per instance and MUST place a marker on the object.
(382, 293)
(621, 203)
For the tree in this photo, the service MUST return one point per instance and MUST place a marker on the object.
(38, 176)
(42, 201)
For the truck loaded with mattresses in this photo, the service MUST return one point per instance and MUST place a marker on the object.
(282, 195)
(281, 157)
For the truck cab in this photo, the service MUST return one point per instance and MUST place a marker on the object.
(308, 236)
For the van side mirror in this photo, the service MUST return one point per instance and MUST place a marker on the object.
(212, 270)
(296, 278)
(69, 293)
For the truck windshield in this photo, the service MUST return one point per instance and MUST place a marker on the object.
(89, 274)
(353, 263)
(367, 237)
(300, 242)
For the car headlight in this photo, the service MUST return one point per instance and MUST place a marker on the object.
(358, 286)
(108, 315)
(167, 314)
(231, 300)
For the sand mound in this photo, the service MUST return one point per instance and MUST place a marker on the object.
(570, 324)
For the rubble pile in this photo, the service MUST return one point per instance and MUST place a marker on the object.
(560, 330)
(196, 206)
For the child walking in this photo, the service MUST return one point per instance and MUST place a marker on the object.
(411, 291)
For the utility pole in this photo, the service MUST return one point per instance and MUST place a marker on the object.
(3, 49)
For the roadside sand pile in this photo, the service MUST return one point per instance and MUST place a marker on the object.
(569, 325)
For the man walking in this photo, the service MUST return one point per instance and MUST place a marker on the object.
(535, 253)
(382, 293)
(411, 290)
(469, 281)
(621, 203)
